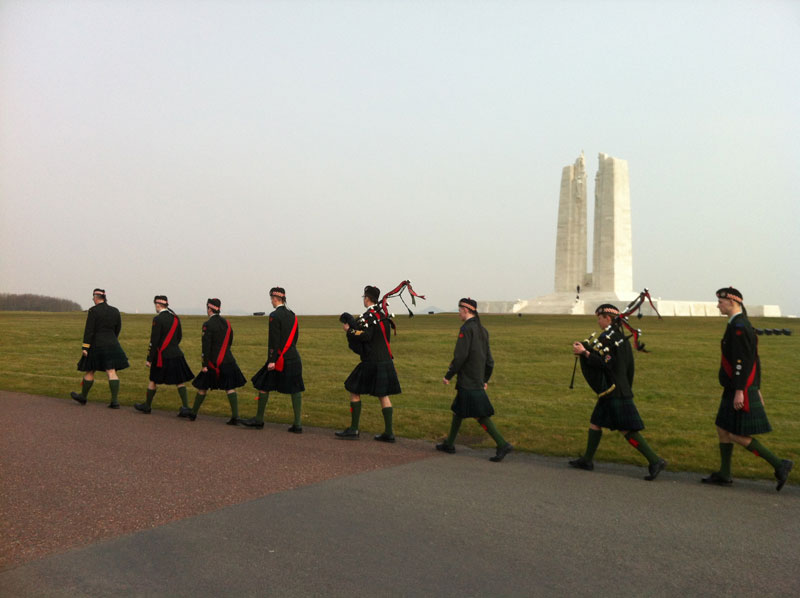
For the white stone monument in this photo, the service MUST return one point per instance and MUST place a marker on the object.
(611, 280)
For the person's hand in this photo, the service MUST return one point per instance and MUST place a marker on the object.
(578, 348)
(270, 366)
(445, 381)
(85, 353)
(738, 400)
(346, 327)
(147, 364)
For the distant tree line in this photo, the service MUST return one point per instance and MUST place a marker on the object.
(28, 302)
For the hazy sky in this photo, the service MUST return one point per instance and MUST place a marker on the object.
(221, 147)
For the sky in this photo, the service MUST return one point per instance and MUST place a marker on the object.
(217, 148)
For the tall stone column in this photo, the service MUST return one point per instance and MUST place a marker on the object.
(612, 254)
(571, 232)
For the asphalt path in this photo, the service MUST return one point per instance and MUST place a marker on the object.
(436, 525)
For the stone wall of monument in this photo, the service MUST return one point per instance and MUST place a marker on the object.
(612, 256)
(571, 243)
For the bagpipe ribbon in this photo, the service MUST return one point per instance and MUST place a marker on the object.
(398, 292)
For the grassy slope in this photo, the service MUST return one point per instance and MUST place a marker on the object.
(676, 387)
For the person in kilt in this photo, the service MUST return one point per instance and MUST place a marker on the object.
(220, 369)
(165, 358)
(612, 360)
(283, 370)
(101, 350)
(375, 374)
(473, 365)
(741, 412)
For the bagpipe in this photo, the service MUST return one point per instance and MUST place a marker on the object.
(601, 379)
(378, 314)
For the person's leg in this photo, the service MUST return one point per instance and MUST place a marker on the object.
(355, 417)
(113, 384)
(233, 399)
(297, 410)
(387, 411)
(592, 442)
(503, 447)
(86, 385)
(655, 464)
(723, 476)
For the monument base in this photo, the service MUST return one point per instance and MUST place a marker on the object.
(585, 304)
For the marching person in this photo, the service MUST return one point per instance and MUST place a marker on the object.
(283, 370)
(220, 369)
(375, 374)
(741, 411)
(611, 358)
(165, 358)
(101, 350)
(473, 365)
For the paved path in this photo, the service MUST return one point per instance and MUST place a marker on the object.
(312, 516)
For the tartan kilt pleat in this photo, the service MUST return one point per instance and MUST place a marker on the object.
(376, 378)
(289, 381)
(174, 371)
(472, 403)
(101, 359)
(740, 422)
(230, 377)
(617, 413)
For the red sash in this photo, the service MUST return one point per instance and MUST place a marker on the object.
(167, 339)
(279, 361)
(728, 368)
(222, 350)
(383, 330)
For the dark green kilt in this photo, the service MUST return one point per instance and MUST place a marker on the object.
(289, 381)
(739, 422)
(174, 370)
(230, 377)
(472, 403)
(101, 359)
(617, 413)
(378, 379)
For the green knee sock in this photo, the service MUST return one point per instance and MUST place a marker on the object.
(263, 399)
(114, 386)
(637, 441)
(198, 400)
(355, 414)
(759, 450)
(488, 425)
(725, 454)
(184, 397)
(454, 427)
(86, 386)
(387, 420)
(150, 394)
(297, 407)
(233, 398)
(592, 442)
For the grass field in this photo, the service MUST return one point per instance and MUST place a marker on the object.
(676, 384)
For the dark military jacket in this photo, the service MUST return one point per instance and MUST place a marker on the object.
(103, 324)
(472, 358)
(281, 322)
(214, 331)
(617, 363)
(740, 366)
(373, 332)
(162, 324)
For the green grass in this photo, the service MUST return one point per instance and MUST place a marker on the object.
(676, 385)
